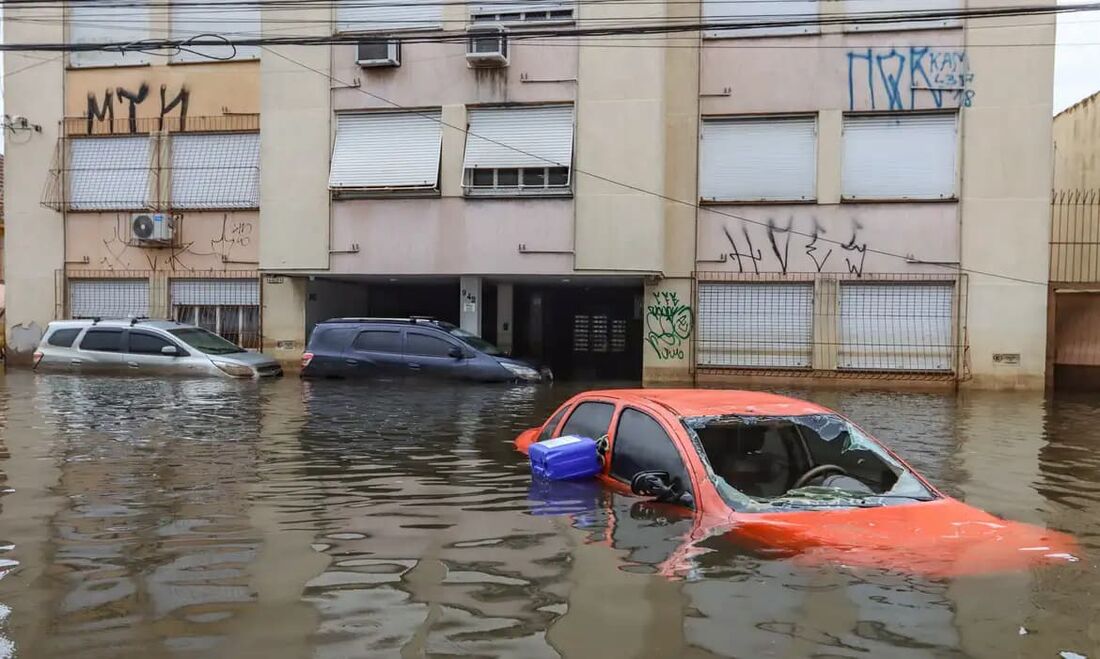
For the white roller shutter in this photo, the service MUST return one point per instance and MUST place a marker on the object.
(520, 137)
(896, 326)
(779, 11)
(230, 19)
(107, 21)
(109, 173)
(762, 325)
(388, 16)
(900, 7)
(899, 156)
(518, 6)
(108, 298)
(758, 159)
(244, 292)
(386, 150)
(216, 170)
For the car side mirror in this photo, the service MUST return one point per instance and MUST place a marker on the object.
(170, 351)
(662, 487)
(457, 352)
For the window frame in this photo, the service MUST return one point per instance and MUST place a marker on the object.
(102, 330)
(180, 350)
(499, 18)
(775, 31)
(520, 189)
(62, 330)
(788, 118)
(547, 430)
(378, 330)
(954, 197)
(577, 405)
(431, 335)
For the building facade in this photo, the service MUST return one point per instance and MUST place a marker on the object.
(802, 199)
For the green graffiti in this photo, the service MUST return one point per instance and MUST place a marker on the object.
(669, 325)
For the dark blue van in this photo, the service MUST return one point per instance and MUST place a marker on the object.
(370, 347)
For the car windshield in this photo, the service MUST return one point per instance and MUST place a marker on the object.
(474, 341)
(818, 460)
(205, 341)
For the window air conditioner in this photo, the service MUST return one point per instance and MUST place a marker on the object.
(374, 54)
(151, 228)
(487, 46)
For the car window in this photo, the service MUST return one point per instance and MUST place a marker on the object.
(641, 444)
(426, 346)
(591, 419)
(102, 340)
(333, 339)
(378, 341)
(144, 343)
(548, 431)
(63, 338)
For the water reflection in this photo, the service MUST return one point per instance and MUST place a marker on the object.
(330, 519)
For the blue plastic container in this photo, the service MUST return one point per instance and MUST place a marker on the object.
(564, 458)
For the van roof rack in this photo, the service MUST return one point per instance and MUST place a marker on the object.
(370, 319)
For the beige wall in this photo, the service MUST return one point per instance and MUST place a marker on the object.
(33, 236)
(1077, 146)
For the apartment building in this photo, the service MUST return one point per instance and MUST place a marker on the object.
(132, 176)
(808, 197)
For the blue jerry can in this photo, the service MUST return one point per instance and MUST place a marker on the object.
(565, 458)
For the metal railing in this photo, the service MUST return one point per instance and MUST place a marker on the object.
(1075, 236)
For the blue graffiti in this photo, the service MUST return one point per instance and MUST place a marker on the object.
(896, 77)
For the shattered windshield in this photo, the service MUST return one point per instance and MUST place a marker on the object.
(818, 460)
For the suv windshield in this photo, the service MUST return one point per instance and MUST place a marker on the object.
(205, 341)
(474, 341)
(801, 461)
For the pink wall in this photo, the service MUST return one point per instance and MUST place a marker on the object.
(433, 74)
(203, 239)
(452, 236)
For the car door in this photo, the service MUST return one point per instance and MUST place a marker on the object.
(374, 351)
(144, 354)
(430, 354)
(99, 351)
(640, 443)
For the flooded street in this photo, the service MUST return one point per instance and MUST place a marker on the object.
(329, 519)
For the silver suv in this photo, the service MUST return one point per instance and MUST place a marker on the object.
(145, 347)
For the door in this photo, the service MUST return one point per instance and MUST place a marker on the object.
(641, 444)
(374, 352)
(430, 354)
(100, 351)
(144, 355)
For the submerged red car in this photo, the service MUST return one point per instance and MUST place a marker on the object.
(790, 478)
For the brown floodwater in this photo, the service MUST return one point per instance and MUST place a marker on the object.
(143, 518)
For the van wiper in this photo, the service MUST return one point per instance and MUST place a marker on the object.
(897, 496)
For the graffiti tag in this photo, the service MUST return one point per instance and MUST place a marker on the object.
(105, 110)
(669, 324)
(892, 78)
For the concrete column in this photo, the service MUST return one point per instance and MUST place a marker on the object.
(829, 140)
(668, 332)
(469, 312)
(284, 318)
(505, 320)
(826, 323)
(160, 297)
(454, 147)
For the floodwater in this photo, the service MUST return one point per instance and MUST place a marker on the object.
(326, 519)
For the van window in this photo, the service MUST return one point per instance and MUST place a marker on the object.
(102, 340)
(143, 343)
(378, 341)
(63, 338)
(591, 419)
(331, 339)
(427, 346)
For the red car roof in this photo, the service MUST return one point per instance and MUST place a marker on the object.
(707, 402)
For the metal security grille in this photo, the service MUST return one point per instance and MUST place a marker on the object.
(109, 173)
(228, 307)
(108, 298)
(755, 324)
(1075, 236)
(598, 333)
(896, 326)
(212, 170)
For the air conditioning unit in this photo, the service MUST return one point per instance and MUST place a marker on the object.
(151, 228)
(373, 54)
(487, 45)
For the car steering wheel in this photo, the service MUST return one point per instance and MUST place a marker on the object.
(815, 472)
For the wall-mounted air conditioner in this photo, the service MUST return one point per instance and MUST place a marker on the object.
(487, 45)
(373, 54)
(151, 228)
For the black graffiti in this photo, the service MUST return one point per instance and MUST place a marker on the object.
(860, 248)
(105, 111)
(811, 247)
(738, 254)
(135, 99)
(95, 112)
(784, 256)
(181, 100)
(779, 239)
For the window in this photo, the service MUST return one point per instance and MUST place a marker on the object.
(896, 326)
(758, 159)
(227, 307)
(802, 13)
(108, 173)
(755, 325)
(552, 424)
(108, 22)
(216, 171)
(108, 298)
(592, 420)
(901, 7)
(899, 156)
(388, 16)
(102, 340)
(144, 343)
(516, 151)
(378, 341)
(641, 444)
(233, 20)
(522, 11)
(427, 346)
(63, 338)
(387, 150)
